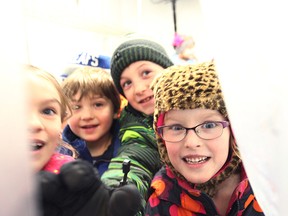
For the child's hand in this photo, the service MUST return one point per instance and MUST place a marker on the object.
(125, 200)
(78, 191)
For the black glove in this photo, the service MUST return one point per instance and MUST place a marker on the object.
(125, 200)
(78, 191)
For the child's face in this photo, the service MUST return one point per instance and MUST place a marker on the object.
(135, 82)
(92, 117)
(198, 160)
(44, 120)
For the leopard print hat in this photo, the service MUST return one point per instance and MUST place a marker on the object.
(188, 87)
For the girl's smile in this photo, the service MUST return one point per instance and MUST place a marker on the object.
(197, 159)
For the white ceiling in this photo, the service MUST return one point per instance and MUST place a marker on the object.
(59, 30)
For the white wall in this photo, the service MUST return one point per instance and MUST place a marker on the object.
(250, 46)
(58, 30)
(17, 194)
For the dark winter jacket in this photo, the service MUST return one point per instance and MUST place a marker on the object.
(100, 162)
(139, 146)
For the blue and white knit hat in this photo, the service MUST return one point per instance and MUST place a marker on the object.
(87, 59)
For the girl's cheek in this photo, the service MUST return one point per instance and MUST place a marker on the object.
(172, 149)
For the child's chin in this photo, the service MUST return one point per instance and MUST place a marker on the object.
(149, 111)
(37, 166)
(196, 181)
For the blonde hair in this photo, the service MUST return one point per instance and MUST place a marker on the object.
(64, 102)
(65, 106)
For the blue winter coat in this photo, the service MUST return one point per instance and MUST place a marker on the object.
(100, 162)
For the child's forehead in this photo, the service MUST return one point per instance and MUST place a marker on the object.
(90, 95)
(41, 89)
(143, 63)
(193, 113)
(40, 82)
(136, 68)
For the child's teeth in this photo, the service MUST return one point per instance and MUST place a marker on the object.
(36, 146)
(196, 160)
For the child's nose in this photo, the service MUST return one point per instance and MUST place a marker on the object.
(87, 113)
(140, 88)
(34, 123)
(192, 140)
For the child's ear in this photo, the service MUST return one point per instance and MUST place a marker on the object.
(116, 115)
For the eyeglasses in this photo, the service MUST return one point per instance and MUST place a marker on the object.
(207, 131)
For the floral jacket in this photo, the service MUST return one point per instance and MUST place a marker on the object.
(173, 196)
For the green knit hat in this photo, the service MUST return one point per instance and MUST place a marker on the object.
(137, 50)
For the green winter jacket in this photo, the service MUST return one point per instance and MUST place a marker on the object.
(139, 146)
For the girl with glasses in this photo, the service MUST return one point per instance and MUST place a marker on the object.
(203, 172)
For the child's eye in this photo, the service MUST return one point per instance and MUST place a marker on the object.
(49, 111)
(146, 73)
(209, 125)
(75, 107)
(175, 127)
(126, 84)
(98, 104)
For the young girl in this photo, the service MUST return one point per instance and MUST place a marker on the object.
(93, 127)
(134, 65)
(67, 186)
(203, 172)
(47, 108)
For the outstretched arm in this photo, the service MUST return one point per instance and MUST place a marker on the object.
(78, 191)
